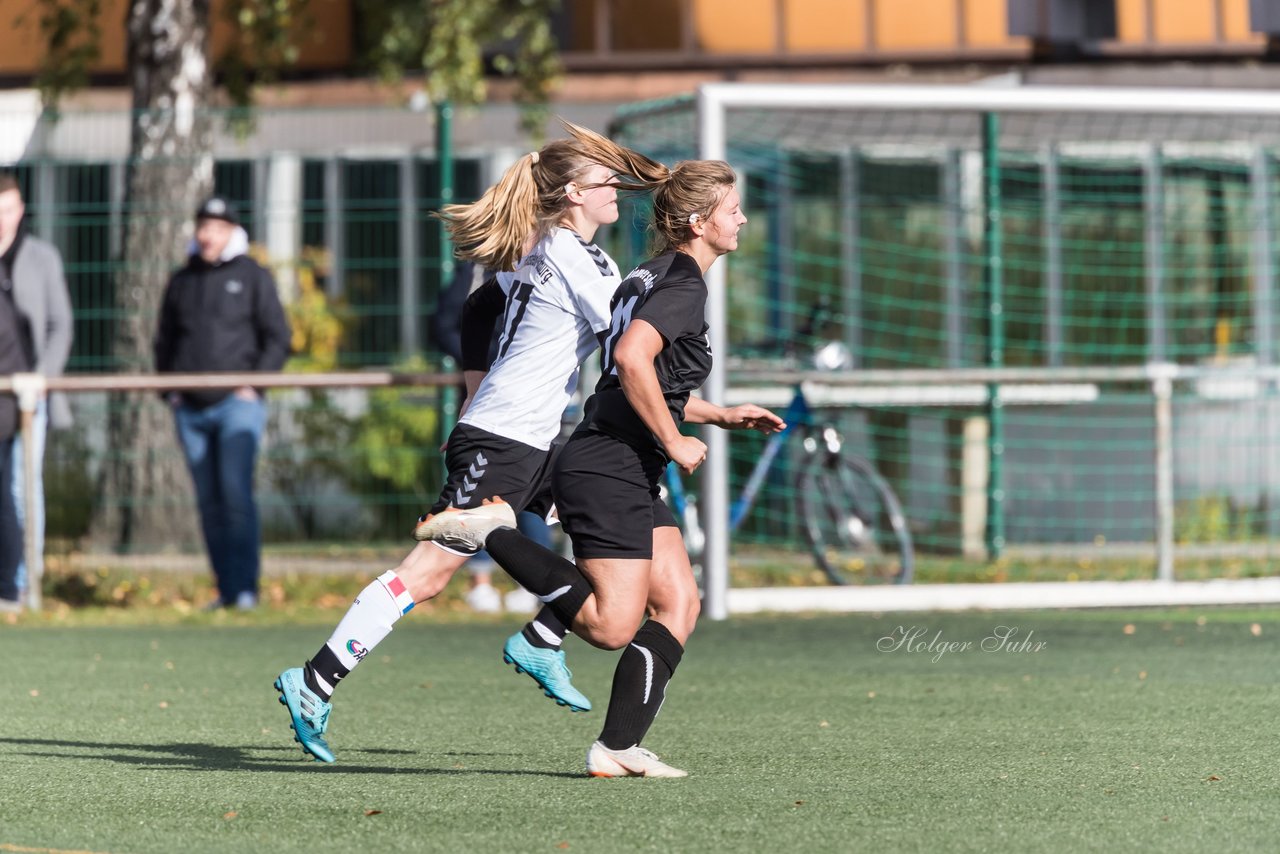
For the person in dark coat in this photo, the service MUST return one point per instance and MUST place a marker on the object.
(15, 357)
(221, 313)
(39, 291)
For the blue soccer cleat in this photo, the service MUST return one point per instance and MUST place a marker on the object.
(310, 714)
(548, 669)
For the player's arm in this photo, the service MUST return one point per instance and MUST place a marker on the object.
(746, 416)
(480, 315)
(633, 357)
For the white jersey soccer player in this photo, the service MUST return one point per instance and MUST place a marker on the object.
(555, 314)
(557, 306)
(537, 221)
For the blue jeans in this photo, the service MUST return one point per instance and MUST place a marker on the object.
(221, 446)
(39, 429)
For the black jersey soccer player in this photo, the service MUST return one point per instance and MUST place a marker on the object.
(537, 221)
(629, 553)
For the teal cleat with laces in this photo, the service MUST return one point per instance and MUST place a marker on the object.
(548, 669)
(310, 714)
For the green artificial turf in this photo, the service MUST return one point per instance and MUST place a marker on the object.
(1141, 730)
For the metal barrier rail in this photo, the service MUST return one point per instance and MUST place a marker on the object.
(29, 388)
(1159, 377)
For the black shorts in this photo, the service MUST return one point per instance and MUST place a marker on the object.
(483, 465)
(607, 497)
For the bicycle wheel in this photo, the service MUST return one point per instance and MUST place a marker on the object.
(853, 521)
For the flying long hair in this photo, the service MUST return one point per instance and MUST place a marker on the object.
(531, 197)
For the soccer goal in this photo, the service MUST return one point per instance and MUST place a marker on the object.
(1046, 315)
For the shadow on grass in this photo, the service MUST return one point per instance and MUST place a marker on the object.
(211, 757)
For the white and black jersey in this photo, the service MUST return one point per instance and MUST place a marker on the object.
(557, 306)
(669, 293)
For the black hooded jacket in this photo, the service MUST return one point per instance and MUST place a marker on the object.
(220, 317)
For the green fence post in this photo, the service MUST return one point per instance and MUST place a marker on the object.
(994, 281)
(449, 402)
(444, 166)
(444, 162)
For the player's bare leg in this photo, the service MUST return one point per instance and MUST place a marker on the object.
(647, 665)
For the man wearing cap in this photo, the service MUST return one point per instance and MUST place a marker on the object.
(221, 313)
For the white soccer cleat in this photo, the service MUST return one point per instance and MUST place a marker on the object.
(466, 527)
(635, 761)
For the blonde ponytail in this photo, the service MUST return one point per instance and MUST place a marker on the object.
(530, 199)
(647, 174)
(492, 230)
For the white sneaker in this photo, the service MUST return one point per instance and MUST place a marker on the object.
(635, 761)
(484, 599)
(466, 527)
(521, 601)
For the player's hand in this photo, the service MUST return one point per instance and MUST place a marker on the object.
(247, 393)
(748, 416)
(687, 452)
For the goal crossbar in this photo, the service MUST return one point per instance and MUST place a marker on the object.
(1060, 99)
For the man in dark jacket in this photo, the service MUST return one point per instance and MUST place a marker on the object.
(221, 312)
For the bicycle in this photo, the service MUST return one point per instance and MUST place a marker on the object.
(849, 515)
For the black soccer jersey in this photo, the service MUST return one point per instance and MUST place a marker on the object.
(669, 293)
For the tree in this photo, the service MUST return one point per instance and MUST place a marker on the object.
(170, 170)
(170, 166)
(451, 39)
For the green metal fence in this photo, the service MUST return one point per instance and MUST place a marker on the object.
(337, 202)
(953, 237)
(1122, 239)
(358, 207)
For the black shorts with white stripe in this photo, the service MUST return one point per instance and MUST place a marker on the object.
(485, 465)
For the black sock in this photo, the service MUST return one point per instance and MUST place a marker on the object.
(546, 621)
(640, 685)
(540, 571)
(323, 673)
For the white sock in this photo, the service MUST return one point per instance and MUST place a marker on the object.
(370, 619)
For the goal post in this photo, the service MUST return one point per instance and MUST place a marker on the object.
(959, 227)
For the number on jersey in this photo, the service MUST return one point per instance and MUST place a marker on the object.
(617, 325)
(517, 303)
